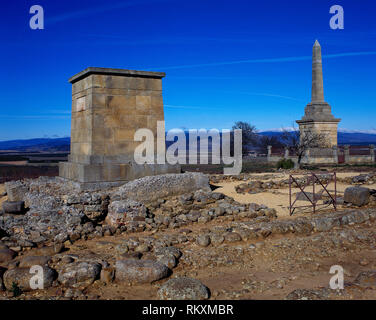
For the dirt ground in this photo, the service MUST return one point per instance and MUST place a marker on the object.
(268, 269)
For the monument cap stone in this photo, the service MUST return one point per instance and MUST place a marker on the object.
(116, 72)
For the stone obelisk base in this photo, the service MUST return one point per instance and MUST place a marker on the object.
(101, 176)
(108, 107)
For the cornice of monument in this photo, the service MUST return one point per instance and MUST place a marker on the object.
(116, 72)
(304, 121)
(318, 112)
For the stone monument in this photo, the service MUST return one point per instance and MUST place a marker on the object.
(108, 106)
(318, 116)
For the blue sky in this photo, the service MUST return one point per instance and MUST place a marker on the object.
(225, 60)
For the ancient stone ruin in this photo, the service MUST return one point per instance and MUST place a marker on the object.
(108, 106)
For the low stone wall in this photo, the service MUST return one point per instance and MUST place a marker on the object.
(368, 178)
(256, 186)
(359, 159)
(328, 155)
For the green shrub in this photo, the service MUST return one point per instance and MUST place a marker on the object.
(285, 164)
(16, 290)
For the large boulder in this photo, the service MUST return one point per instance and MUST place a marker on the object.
(21, 278)
(151, 188)
(183, 289)
(366, 279)
(358, 196)
(79, 274)
(140, 271)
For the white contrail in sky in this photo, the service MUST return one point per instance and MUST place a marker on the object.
(99, 9)
(265, 95)
(270, 60)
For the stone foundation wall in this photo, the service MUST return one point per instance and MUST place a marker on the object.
(325, 156)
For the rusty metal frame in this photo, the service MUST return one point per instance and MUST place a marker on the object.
(313, 179)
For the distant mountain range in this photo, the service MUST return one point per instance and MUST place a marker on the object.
(352, 138)
(37, 145)
(63, 144)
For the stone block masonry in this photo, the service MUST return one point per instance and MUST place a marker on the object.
(108, 106)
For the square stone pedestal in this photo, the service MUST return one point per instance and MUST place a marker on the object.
(108, 107)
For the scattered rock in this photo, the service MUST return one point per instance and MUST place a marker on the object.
(22, 276)
(364, 262)
(16, 190)
(232, 237)
(203, 240)
(73, 293)
(6, 255)
(140, 271)
(49, 250)
(131, 255)
(308, 294)
(216, 239)
(169, 250)
(79, 274)
(366, 279)
(358, 196)
(183, 289)
(30, 261)
(125, 211)
(168, 259)
(142, 248)
(308, 196)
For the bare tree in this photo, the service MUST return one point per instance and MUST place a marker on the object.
(249, 135)
(300, 143)
(266, 141)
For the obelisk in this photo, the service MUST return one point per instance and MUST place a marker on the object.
(318, 116)
(317, 79)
